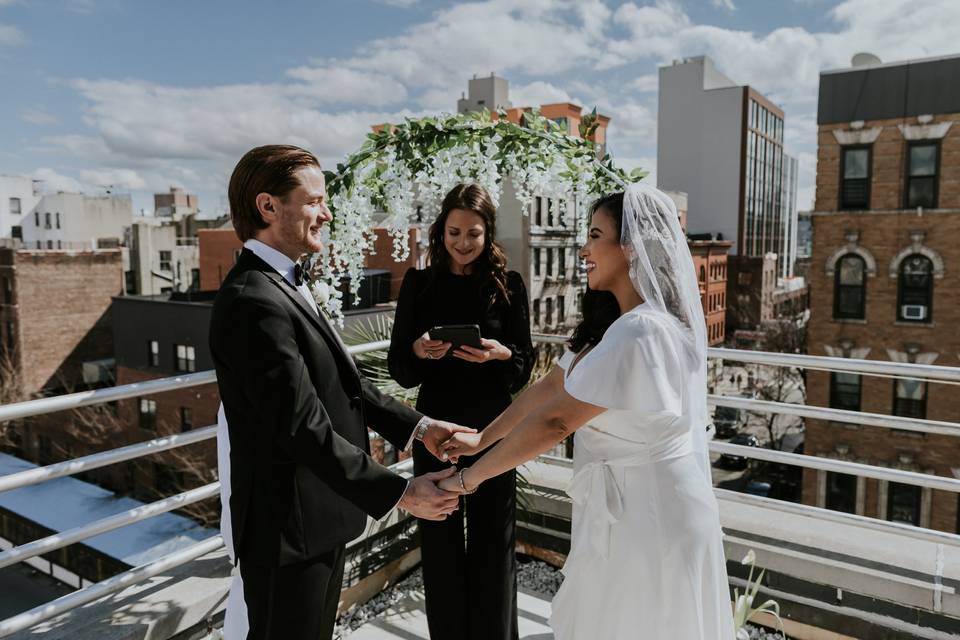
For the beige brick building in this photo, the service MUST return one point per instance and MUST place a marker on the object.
(885, 280)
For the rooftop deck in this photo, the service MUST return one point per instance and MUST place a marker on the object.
(831, 572)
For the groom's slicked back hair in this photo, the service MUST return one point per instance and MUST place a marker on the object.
(267, 169)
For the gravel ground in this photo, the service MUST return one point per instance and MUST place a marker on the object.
(532, 575)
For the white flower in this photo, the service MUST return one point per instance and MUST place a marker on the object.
(321, 292)
(750, 558)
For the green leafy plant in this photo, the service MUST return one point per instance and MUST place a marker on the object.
(744, 610)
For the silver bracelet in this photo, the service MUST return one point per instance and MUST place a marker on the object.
(463, 487)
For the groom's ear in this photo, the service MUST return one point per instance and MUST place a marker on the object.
(267, 208)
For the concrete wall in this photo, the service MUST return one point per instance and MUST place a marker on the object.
(23, 189)
(83, 221)
(699, 134)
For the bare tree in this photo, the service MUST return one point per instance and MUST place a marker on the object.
(781, 384)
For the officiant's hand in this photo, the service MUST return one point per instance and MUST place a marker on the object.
(492, 350)
(441, 431)
(424, 499)
(461, 444)
(427, 349)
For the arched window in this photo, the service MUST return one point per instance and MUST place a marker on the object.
(915, 289)
(703, 273)
(850, 288)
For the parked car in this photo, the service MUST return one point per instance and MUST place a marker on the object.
(729, 461)
(727, 421)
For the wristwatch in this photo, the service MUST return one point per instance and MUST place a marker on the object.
(421, 429)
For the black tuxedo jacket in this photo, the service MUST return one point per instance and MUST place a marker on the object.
(297, 410)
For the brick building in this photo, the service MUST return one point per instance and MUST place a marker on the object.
(885, 279)
(55, 315)
(710, 265)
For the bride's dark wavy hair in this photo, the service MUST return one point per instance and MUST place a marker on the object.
(490, 267)
(599, 309)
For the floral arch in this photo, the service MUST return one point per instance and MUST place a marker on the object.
(412, 165)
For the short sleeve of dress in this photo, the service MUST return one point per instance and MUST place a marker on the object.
(564, 361)
(636, 367)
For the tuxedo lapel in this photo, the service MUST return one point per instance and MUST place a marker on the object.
(249, 260)
(320, 322)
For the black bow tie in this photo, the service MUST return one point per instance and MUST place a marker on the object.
(301, 272)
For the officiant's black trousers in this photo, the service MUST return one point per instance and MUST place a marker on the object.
(293, 602)
(470, 575)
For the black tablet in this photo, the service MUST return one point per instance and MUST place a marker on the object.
(457, 335)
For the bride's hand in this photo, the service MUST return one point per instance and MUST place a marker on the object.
(461, 444)
(451, 484)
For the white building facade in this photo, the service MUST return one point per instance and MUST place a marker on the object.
(19, 197)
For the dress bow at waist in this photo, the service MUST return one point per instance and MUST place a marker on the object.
(595, 489)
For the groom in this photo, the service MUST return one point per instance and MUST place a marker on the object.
(301, 478)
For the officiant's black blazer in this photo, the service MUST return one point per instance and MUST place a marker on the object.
(297, 411)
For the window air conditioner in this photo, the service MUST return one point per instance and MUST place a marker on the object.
(914, 312)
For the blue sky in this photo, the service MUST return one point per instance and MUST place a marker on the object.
(143, 95)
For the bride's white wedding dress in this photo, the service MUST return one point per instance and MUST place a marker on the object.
(646, 557)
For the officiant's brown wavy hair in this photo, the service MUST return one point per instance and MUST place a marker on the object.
(491, 265)
(268, 169)
(599, 309)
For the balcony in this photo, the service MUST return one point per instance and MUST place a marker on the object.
(835, 575)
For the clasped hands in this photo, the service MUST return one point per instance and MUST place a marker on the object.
(434, 496)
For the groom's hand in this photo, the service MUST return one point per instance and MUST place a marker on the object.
(438, 433)
(423, 499)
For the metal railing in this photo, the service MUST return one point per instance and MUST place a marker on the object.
(83, 596)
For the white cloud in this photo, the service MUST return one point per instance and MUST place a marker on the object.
(724, 4)
(38, 116)
(646, 83)
(337, 85)
(537, 93)
(10, 36)
(113, 178)
(51, 181)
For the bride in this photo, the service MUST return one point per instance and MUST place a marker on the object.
(646, 557)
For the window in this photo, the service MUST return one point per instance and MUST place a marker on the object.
(910, 398)
(561, 262)
(550, 202)
(195, 279)
(46, 220)
(855, 178)
(15, 206)
(165, 258)
(11, 337)
(58, 219)
(153, 353)
(536, 312)
(148, 414)
(549, 261)
(39, 245)
(845, 391)
(49, 244)
(186, 419)
(841, 492)
(549, 311)
(703, 274)
(849, 291)
(536, 262)
(903, 503)
(16, 231)
(185, 357)
(36, 218)
(130, 278)
(538, 218)
(561, 309)
(922, 167)
(915, 289)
